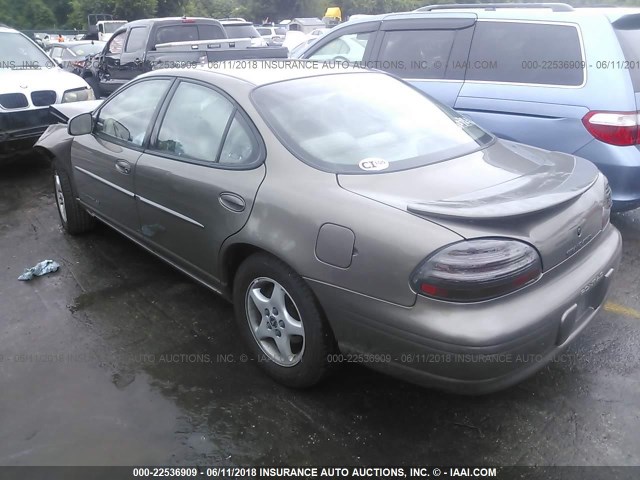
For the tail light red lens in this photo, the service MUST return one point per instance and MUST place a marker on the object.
(476, 270)
(614, 128)
(79, 64)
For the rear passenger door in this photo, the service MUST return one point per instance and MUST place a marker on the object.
(196, 183)
(429, 53)
(524, 83)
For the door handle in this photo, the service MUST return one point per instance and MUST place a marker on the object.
(232, 201)
(123, 167)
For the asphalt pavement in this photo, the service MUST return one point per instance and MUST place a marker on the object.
(117, 359)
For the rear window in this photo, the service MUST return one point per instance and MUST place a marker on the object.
(533, 53)
(241, 31)
(176, 33)
(210, 32)
(188, 33)
(87, 49)
(630, 43)
(341, 123)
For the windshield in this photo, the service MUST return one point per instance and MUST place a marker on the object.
(351, 122)
(17, 51)
(241, 31)
(112, 27)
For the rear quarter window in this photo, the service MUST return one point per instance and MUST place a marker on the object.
(417, 53)
(530, 53)
(630, 43)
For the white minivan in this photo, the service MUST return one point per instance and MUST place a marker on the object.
(29, 82)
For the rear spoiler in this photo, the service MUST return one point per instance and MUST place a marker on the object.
(627, 22)
(63, 112)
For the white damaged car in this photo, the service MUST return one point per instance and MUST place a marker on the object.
(29, 82)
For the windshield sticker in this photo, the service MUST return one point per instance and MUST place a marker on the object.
(463, 122)
(373, 164)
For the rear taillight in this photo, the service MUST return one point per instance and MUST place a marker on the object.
(475, 270)
(615, 128)
(79, 64)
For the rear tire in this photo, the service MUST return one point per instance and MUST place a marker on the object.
(74, 218)
(282, 322)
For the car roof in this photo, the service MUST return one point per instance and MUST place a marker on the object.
(161, 20)
(268, 71)
(75, 43)
(226, 23)
(524, 13)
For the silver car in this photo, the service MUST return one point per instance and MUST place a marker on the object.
(348, 217)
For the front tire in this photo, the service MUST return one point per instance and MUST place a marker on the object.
(95, 86)
(74, 218)
(282, 322)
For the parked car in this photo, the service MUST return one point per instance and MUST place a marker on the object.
(318, 32)
(72, 56)
(549, 75)
(238, 28)
(29, 82)
(144, 45)
(387, 226)
(272, 35)
(298, 50)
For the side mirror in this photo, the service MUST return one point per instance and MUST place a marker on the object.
(81, 125)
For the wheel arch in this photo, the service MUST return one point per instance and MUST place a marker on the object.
(234, 254)
(232, 257)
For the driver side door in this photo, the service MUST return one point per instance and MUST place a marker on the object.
(104, 161)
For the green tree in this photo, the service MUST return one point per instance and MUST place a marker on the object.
(26, 14)
(215, 8)
(120, 9)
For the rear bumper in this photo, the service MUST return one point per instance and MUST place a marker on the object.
(20, 130)
(476, 348)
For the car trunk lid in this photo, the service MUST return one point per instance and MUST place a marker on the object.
(508, 189)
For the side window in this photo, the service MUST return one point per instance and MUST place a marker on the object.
(137, 39)
(195, 123)
(417, 53)
(350, 46)
(534, 53)
(56, 52)
(115, 44)
(127, 115)
(240, 146)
